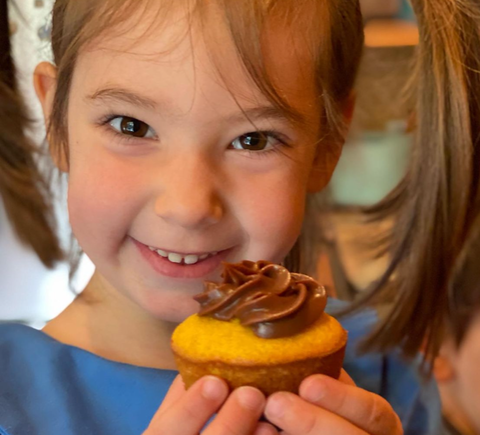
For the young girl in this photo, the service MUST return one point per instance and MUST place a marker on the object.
(191, 132)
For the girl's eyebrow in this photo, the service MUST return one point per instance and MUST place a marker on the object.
(269, 112)
(122, 95)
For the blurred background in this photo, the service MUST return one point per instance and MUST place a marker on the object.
(377, 150)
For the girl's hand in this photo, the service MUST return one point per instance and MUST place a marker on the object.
(328, 406)
(186, 412)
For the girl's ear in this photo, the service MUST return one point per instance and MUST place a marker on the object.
(326, 159)
(45, 83)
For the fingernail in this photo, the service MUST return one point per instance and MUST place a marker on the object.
(250, 398)
(314, 390)
(213, 388)
(265, 429)
(277, 405)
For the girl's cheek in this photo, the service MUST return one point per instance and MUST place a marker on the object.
(103, 199)
(274, 215)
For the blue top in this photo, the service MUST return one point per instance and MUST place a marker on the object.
(49, 388)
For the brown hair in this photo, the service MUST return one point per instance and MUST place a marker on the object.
(334, 37)
(24, 190)
(433, 207)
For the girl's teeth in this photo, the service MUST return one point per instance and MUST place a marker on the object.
(175, 258)
(178, 258)
(191, 259)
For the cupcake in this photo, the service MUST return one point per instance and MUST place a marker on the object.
(262, 326)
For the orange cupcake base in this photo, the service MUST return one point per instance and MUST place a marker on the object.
(267, 378)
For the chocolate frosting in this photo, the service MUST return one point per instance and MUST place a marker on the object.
(265, 297)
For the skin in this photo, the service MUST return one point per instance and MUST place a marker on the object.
(184, 188)
(456, 372)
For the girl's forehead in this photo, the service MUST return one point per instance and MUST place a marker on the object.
(149, 50)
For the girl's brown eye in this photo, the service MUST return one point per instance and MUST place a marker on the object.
(255, 141)
(132, 127)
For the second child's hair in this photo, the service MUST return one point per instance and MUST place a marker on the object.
(434, 206)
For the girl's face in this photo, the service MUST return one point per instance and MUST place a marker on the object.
(167, 175)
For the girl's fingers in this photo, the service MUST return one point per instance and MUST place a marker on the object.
(240, 414)
(176, 390)
(295, 416)
(366, 410)
(265, 429)
(187, 413)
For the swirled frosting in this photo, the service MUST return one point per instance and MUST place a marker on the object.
(265, 297)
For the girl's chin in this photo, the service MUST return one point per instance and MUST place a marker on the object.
(175, 312)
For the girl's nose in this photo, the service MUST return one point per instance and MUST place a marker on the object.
(189, 196)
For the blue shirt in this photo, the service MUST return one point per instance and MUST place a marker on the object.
(49, 388)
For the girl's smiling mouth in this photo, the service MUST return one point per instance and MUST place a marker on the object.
(182, 265)
(187, 259)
